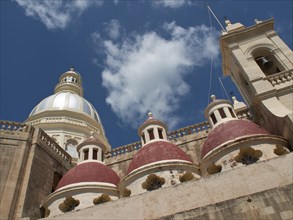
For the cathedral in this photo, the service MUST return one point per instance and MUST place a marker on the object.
(237, 164)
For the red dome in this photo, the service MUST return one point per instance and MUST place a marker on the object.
(156, 151)
(89, 172)
(230, 130)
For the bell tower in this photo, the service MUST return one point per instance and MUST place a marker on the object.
(261, 65)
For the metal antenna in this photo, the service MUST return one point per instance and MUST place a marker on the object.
(223, 87)
(215, 17)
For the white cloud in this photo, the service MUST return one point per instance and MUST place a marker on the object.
(147, 72)
(112, 28)
(170, 3)
(56, 14)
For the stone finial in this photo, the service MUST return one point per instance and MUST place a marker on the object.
(213, 98)
(233, 27)
(257, 21)
(72, 68)
(238, 106)
(228, 22)
(150, 115)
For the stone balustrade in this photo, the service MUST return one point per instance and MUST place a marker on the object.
(196, 128)
(14, 126)
(124, 149)
(244, 114)
(50, 120)
(192, 129)
(53, 146)
(67, 83)
(280, 78)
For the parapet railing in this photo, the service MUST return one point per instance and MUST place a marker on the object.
(192, 129)
(124, 149)
(279, 78)
(14, 126)
(196, 128)
(53, 146)
(66, 120)
(244, 114)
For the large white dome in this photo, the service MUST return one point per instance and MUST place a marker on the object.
(66, 100)
(66, 116)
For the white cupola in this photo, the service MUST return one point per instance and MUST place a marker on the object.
(218, 111)
(70, 81)
(91, 150)
(152, 130)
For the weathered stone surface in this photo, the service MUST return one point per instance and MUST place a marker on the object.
(27, 167)
(249, 192)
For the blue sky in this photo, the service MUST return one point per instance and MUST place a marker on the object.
(134, 56)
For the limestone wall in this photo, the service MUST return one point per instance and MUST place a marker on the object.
(220, 196)
(40, 175)
(270, 204)
(14, 145)
(28, 160)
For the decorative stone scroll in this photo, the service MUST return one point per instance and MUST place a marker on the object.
(213, 169)
(248, 155)
(187, 176)
(280, 150)
(69, 204)
(125, 193)
(153, 182)
(102, 199)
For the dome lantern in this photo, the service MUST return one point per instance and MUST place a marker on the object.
(91, 149)
(70, 81)
(152, 130)
(218, 111)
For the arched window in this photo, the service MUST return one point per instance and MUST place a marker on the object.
(102, 156)
(232, 113)
(56, 178)
(86, 154)
(95, 154)
(143, 138)
(151, 133)
(222, 113)
(267, 61)
(160, 131)
(213, 117)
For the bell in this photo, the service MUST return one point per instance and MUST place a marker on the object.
(264, 62)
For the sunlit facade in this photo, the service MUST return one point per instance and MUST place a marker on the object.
(58, 164)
